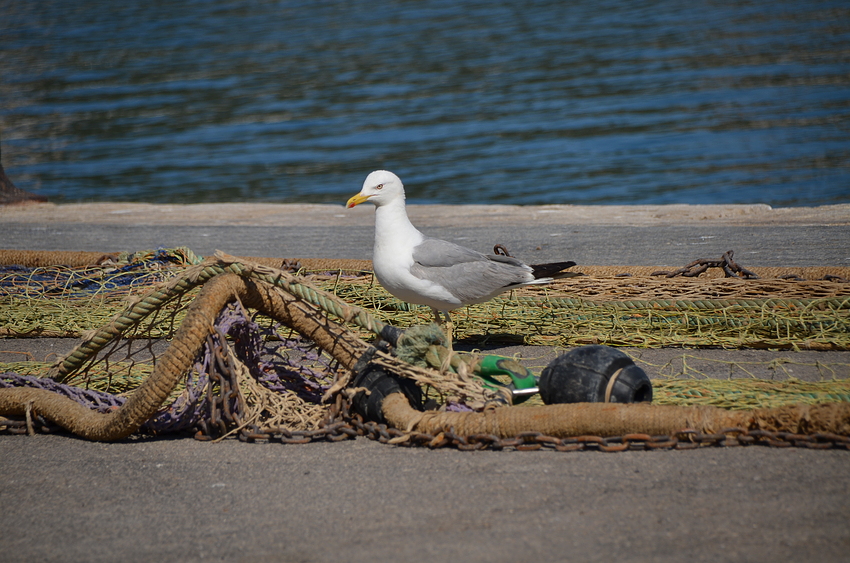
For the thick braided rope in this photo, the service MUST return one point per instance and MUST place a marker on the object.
(611, 419)
(37, 258)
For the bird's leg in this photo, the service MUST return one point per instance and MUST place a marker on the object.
(447, 326)
(448, 329)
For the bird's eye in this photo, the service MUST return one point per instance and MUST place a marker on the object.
(379, 187)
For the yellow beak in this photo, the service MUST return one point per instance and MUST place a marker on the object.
(356, 200)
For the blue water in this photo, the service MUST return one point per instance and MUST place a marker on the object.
(501, 102)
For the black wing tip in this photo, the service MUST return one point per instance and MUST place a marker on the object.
(550, 270)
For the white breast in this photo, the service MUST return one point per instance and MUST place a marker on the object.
(395, 238)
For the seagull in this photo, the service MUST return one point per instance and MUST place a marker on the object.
(440, 274)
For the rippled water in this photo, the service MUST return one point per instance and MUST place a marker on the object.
(507, 102)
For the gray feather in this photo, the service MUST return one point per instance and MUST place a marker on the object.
(468, 275)
(438, 253)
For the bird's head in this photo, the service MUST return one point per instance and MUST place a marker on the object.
(380, 187)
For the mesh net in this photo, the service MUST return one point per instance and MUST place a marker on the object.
(269, 375)
(600, 308)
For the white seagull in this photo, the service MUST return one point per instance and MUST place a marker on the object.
(433, 272)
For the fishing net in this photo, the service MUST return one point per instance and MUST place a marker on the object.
(252, 373)
(808, 311)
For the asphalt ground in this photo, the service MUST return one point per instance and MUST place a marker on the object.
(176, 499)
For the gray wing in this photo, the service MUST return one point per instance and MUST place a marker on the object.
(437, 253)
(465, 273)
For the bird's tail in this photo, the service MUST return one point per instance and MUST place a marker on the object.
(553, 270)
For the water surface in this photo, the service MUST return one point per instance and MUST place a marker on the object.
(504, 102)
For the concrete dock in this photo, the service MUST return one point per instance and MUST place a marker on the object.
(142, 499)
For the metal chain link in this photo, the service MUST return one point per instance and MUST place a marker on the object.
(344, 426)
(730, 268)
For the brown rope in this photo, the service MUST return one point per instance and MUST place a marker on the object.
(805, 273)
(41, 258)
(607, 419)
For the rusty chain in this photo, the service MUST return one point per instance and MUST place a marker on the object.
(730, 268)
(342, 425)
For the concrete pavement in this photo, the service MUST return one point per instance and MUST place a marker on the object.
(590, 235)
(64, 499)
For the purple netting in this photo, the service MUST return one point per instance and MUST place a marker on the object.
(293, 366)
(183, 414)
(454, 406)
(302, 369)
(96, 400)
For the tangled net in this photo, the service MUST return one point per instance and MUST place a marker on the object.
(284, 369)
